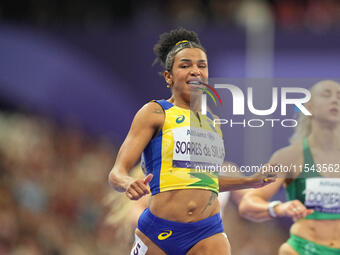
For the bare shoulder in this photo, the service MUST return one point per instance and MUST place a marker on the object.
(291, 154)
(153, 107)
(151, 113)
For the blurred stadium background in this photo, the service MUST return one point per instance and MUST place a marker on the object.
(73, 74)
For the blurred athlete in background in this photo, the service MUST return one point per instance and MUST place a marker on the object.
(313, 191)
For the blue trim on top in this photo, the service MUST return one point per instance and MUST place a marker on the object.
(152, 156)
(210, 116)
(157, 162)
(165, 104)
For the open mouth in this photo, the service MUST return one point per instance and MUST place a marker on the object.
(195, 82)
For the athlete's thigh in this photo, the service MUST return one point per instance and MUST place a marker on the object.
(152, 248)
(217, 244)
(286, 249)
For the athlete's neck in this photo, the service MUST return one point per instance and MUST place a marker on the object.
(194, 105)
(325, 137)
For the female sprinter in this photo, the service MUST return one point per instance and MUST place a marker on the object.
(313, 192)
(183, 214)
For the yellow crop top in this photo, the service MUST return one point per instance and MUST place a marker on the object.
(186, 153)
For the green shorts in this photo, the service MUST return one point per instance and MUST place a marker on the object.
(305, 247)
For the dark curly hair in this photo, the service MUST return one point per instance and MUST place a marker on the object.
(171, 43)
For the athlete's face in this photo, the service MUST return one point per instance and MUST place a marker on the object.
(189, 69)
(325, 103)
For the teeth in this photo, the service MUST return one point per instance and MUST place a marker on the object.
(194, 82)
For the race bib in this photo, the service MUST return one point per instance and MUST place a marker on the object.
(139, 248)
(323, 195)
(197, 147)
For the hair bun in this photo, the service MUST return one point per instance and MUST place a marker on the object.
(168, 40)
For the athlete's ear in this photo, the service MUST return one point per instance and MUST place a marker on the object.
(168, 77)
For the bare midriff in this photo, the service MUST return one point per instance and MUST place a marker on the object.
(188, 205)
(325, 232)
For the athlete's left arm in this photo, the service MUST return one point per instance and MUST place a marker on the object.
(230, 183)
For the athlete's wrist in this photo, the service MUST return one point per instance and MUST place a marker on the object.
(120, 182)
(273, 208)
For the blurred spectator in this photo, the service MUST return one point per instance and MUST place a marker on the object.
(315, 15)
(52, 184)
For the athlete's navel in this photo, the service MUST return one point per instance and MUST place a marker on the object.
(192, 206)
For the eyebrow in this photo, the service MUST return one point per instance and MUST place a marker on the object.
(189, 60)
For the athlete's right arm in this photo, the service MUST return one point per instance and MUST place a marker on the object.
(146, 123)
(254, 205)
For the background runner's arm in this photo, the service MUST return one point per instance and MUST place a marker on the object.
(255, 206)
